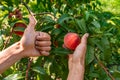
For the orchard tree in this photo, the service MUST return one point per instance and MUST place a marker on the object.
(59, 17)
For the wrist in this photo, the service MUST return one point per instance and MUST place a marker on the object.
(10, 55)
(17, 49)
(76, 73)
(77, 68)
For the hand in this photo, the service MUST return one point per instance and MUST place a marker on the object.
(77, 60)
(27, 42)
(26, 46)
(43, 43)
(78, 57)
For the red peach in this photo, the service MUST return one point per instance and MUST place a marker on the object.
(71, 40)
(20, 25)
(18, 33)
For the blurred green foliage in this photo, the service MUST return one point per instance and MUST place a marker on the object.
(99, 18)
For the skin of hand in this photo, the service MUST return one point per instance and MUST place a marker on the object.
(28, 40)
(42, 43)
(76, 62)
(31, 44)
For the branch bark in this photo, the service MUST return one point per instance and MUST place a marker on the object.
(29, 10)
(28, 68)
(104, 68)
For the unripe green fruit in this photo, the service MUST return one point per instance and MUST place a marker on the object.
(71, 40)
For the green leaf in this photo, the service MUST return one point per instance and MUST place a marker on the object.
(38, 2)
(49, 19)
(108, 34)
(116, 74)
(61, 51)
(82, 25)
(9, 2)
(39, 70)
(27, 1)
(94, 74)
(87, 15)
(89, 55)
(15, 76)
(107, 53)
(1, 41)
(105, 42)
(97, 42)
(16, 2)
(56, 31)
(64, 19)
(47, 28)
(96, 24)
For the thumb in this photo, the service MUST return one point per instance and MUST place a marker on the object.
(81, 48)
(31, 25)
(84, 39)
(83, 42)
(32, 21)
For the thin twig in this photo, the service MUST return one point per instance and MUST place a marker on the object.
(43, 13)
(29, 10)
(49, 13)
(28, 67)
(104, 68)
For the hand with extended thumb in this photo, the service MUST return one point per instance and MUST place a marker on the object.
(30, 37)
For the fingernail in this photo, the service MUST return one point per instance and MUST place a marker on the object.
(87, 35)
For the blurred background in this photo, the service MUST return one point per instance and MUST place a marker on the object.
(99, 18)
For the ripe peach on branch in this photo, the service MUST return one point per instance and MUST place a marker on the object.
(71, 40)
(19, 28)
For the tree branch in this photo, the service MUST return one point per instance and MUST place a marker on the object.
(29, 10)
(49, 13)
(104, 68)
(28, 68)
